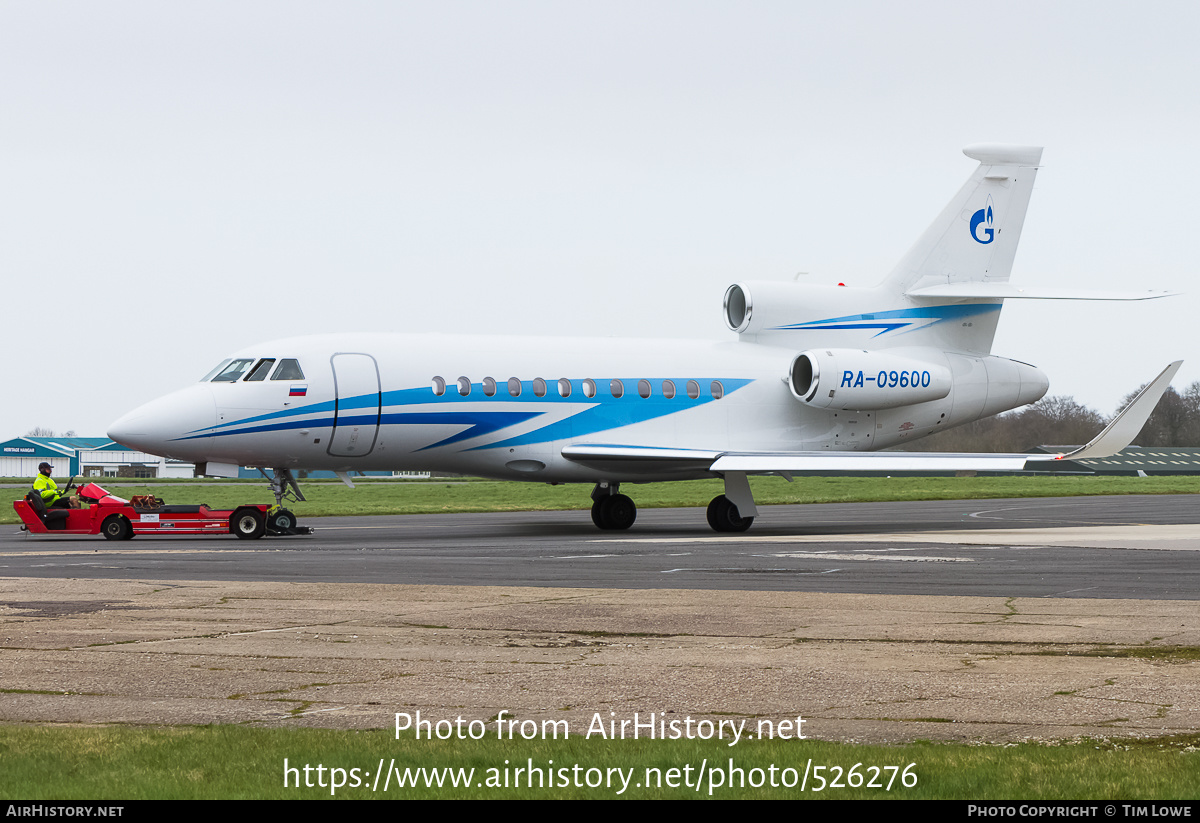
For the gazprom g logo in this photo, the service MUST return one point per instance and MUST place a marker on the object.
(981, 224)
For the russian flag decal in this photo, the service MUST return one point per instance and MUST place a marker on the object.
(298, 390)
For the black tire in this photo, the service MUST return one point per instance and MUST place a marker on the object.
(621, 512)
(281, 522)
(723, 516)
(116, 527)
(248, 524)
(614, 512)
(598, 513)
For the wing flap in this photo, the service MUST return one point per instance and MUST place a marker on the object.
(866, 462)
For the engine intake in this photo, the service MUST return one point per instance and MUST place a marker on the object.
(856, 379)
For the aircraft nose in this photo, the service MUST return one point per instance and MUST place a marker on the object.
(158, 426)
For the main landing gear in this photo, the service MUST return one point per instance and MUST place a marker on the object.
(724, 516)
(731, 512)
(610, 510)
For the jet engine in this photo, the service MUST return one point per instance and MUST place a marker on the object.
(865, 380)
(757, 306)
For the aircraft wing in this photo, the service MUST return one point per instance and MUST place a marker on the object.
(1125, 426)
(634, 459)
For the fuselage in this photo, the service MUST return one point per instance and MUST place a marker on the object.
(505, 407)
(817, 375)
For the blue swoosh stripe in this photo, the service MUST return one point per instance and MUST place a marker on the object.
(484, 422)
(598, 414)
(481, 423)
(611, 414)
(938, 314)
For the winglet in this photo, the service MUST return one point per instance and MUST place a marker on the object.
(1125, 426)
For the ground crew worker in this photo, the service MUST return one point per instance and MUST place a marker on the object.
(48, 489)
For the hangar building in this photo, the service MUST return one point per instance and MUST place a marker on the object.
(84, 457)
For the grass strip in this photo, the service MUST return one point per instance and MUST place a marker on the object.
(234, 762)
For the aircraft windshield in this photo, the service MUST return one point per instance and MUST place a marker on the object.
(261, 370)
(233, 371)
(213, 373)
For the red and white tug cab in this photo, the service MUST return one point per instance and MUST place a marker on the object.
(120, 519)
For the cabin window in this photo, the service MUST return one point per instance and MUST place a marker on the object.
(718, 391)
(464, 386)
(214, 372)
(261, 371)
(288, 369)
(539, 387)
(564, 387)
(489, 386)
(693, 389)
(439, 386)
(643, 388)
(668, 389)
(616, 388)
(589, 388)
(514, 386)
(233, 371)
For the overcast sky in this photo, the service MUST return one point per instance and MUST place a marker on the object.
(178, 181)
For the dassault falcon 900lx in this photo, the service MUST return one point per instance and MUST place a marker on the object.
(820, 379)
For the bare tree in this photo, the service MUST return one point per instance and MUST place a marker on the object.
(1175, 421)
(42, 431)
(1054, 420)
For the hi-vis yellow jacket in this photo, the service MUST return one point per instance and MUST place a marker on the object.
(47, 488)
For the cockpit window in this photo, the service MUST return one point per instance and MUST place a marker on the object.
(233, 371)
(213, 373)
(288, 369)
(261, 371)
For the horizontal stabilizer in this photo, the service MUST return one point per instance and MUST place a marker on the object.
(1009, 291)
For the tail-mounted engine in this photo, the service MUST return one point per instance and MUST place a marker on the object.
(865, 380)
(754, 307)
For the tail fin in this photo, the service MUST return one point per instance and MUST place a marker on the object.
(974, 239)
(946, 291)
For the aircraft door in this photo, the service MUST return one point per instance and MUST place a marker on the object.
(356, 404)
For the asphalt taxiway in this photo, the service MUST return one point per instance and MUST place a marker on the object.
(987, 621)
(1139, 547)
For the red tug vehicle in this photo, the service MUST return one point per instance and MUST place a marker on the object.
(120, 519)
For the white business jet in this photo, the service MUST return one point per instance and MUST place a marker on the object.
(820, 379)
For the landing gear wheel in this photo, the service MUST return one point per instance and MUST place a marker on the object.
(116, 527)
(615, 512)
(598, 513)
(248, 524)
(723, 516)
(281, 522)
(621, 512)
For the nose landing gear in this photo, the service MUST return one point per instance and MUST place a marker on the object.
(284, 487)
